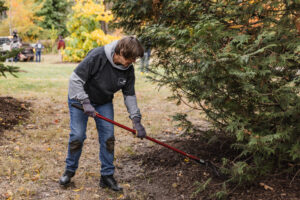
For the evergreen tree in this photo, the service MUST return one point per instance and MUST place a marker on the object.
(236, 61)
(55, 15)
(8, 68)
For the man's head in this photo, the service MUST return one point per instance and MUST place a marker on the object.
(127, 51)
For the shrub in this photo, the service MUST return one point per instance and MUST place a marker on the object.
(236, 61)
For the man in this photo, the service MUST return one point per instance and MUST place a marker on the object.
(146, 58)
(103, 72)
(38, 51)
(61, 46)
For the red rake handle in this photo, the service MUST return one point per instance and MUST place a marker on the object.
(147, 137)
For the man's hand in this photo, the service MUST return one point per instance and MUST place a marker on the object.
(141, 132)
(88, 108)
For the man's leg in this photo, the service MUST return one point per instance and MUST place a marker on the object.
(106, 138)
(78, 123)
(107, 144)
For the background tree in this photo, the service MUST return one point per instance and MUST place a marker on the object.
(236, 61)
(22, 18)
(54, 13)
(2, 6)
(85, 29)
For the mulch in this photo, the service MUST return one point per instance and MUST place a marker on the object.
(12, 112)
(167, 175)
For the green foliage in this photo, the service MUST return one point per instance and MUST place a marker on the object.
(55, 14)
(8, 68)
(201, 187)
(184, 122)
(238, 61)
(2, 6)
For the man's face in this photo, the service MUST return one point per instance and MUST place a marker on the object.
(120, 60)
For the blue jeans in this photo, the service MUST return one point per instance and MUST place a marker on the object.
(78, 124)
(38, 56)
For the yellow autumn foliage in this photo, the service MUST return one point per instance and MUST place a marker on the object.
(22, 19)
(85, 29)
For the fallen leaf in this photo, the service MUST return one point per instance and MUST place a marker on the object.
(186, 160)
(180, 173)
(266, 187)
(174, 185)
(36, 177)
(17, 148)
(126, 185)
(77, 190)
(236, 26)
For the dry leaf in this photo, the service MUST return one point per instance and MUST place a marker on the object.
(266, 187)
(77, 190)
(36, 177)
(236, 26)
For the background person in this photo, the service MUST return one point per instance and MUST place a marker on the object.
(146, 58)
(38, 51)
(61, 46)
(15, 44)
(103, 72)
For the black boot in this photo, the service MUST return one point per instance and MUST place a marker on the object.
(110, 182)
(66, 178)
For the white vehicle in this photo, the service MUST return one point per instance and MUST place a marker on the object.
(5, 42)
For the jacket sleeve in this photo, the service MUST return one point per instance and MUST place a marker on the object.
(83, 72)
(131, 105)
(76, 90)
(130, 98)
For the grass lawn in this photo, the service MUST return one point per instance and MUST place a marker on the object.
(33, 153)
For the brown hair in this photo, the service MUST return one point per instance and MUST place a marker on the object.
(130, 48)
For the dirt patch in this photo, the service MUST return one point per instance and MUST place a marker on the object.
(162, 174)
(12, 111)
(153, 173)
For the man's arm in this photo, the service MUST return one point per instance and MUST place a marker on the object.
(135, 115)
(131, 105)
(76, 90)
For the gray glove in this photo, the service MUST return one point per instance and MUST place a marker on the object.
(141, 132)
(88, 108)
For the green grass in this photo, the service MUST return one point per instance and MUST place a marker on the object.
(48, 79)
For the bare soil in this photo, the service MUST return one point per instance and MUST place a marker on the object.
(158, 173)
(12, 111)
(166, 175)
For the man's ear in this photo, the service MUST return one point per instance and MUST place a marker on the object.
(121, 53)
